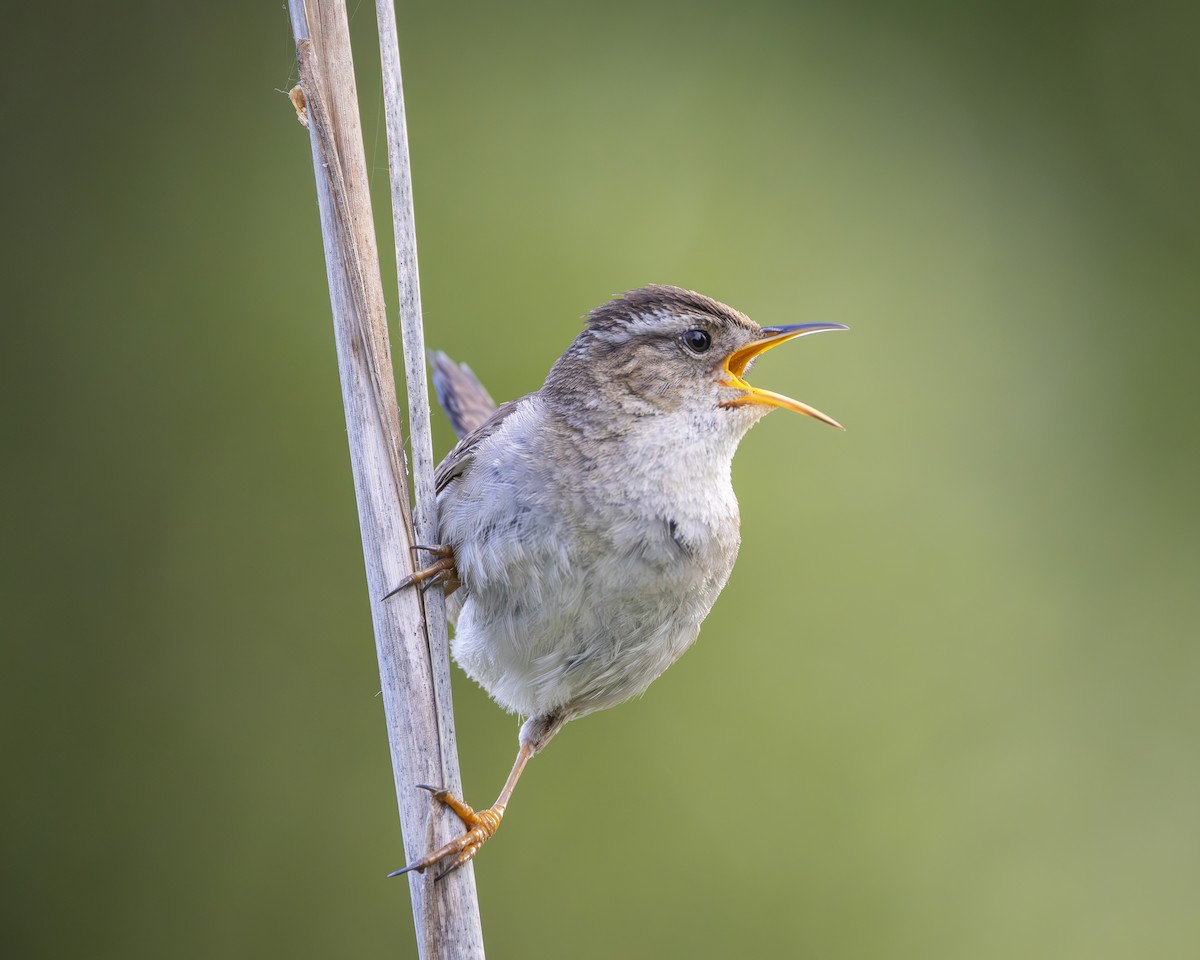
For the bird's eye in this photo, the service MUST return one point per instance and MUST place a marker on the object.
(698, 341)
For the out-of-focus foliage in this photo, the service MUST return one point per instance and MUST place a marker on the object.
(947, 706)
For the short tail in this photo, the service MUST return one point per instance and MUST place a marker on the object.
(465, 400)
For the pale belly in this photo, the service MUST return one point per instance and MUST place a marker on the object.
(583, 578)
(577, 621)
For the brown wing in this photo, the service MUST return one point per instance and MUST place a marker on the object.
(458, 459)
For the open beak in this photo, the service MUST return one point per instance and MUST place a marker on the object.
(736, 363)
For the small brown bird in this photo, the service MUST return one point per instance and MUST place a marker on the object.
(588, 527)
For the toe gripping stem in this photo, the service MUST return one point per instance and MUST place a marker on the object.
(481, 827)
(442, 570)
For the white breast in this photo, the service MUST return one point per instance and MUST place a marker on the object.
(586, 576)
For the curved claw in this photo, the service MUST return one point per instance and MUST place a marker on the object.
(406, 582)
(441, 570)
(463, 858)
(438, 549)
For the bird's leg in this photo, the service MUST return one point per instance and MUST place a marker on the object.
(443, 570)
(480, 826)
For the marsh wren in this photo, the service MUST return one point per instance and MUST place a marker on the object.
(588, 527)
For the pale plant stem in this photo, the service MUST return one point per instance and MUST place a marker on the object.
(413, 666)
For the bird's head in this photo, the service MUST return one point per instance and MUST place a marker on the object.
(662, 349)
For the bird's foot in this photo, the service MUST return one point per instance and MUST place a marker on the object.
(480, 826)
(443, 570)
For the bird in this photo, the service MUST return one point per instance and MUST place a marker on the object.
(587, 528)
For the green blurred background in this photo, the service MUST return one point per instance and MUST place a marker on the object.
(947, 706)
